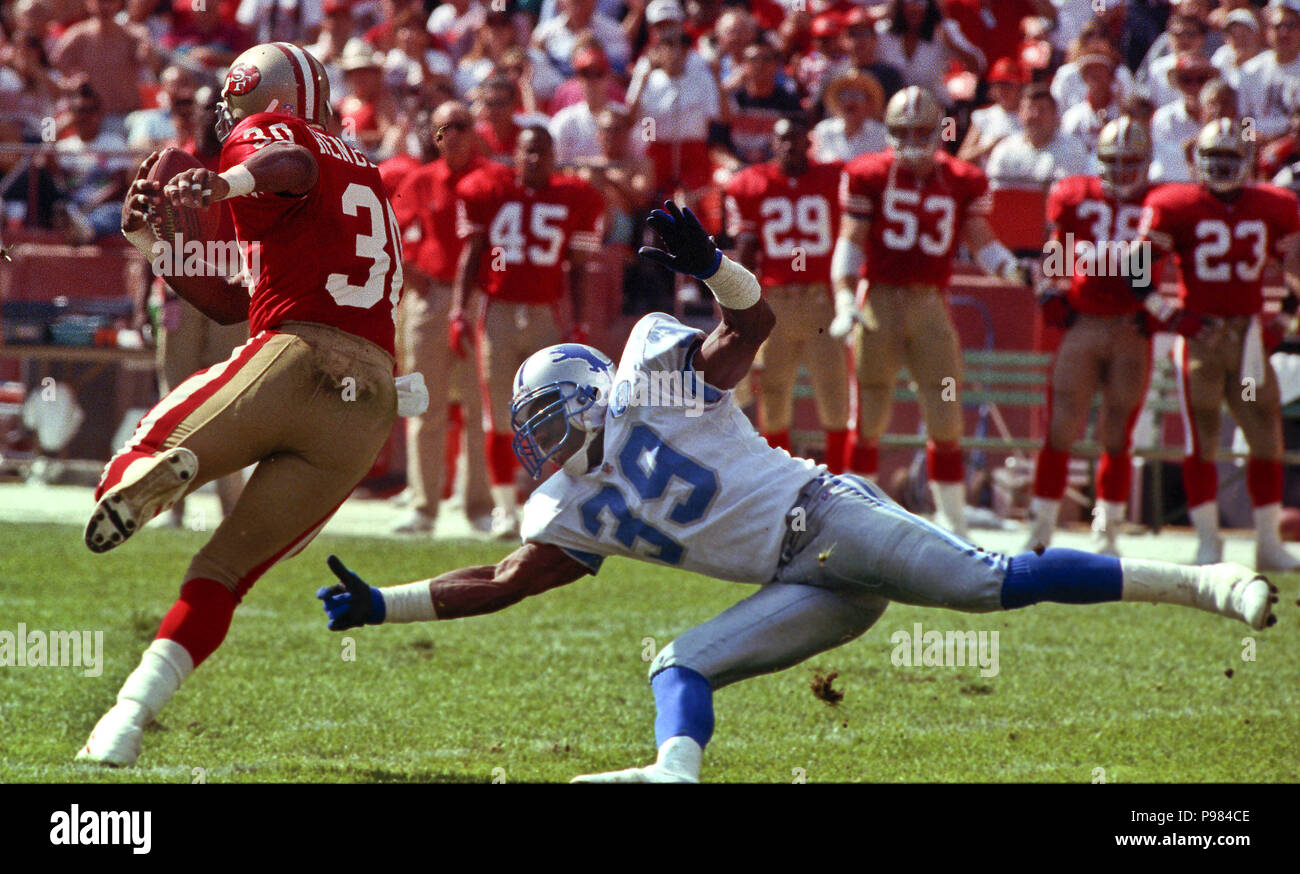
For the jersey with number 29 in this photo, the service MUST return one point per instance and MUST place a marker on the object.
(686, 481)
(332, 255)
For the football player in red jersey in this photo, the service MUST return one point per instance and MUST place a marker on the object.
(425, 206)
(1107, 342)
(1223, 230)
(521, 226)
(784, 216)
(905, 211)
(310, 399)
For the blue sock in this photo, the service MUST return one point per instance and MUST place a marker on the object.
(684, 701)
(1068, 576)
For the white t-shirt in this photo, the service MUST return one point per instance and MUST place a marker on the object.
(683, 107)
(1015, 163)
(1068, 87)
(929, 64)
(1084, 123)
(557, 39)
(1268, 92)
(830, 144)
(1171, 127)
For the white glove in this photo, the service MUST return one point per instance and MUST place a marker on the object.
(847, 315)
(412, 395)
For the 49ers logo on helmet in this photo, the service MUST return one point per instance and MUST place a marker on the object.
(242, 78)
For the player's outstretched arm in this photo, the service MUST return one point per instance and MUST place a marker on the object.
(728, 352)
(530, 570)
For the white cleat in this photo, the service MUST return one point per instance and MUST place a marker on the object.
(150, 486)
(1236, 591)
(115, 739)
(416, 523)
(482, 524)
(505, 524)
(655, 773)
(1103, 543)
(1274, 557)
(1209, 551)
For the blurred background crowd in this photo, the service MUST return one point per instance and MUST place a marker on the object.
(647, 98)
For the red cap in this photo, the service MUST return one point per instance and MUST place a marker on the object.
(333, 7)
(589, 58)
(1006, 70)
(827, 25)
(859, 15)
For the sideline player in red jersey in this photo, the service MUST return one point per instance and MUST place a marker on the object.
(309, 399)
(906, 209)
(784, 216)
(1223, 230)
(521, 227)
(425, 206)
(1107, 341)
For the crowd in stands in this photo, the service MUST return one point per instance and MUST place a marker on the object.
(646, 98)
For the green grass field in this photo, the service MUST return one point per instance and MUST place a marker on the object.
(556, 686)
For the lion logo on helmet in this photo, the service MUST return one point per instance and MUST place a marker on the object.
(242, 78)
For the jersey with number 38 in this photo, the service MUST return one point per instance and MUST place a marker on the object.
(528, 230)
(691, 485)
(915, 223)
(1221, 247)
(332, 255)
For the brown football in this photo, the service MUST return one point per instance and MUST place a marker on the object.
(191, 224)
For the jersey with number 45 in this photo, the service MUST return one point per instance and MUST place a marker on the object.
(528, 230)
(332, 255)
(915, 223)
(1221, 246)
(686, 481)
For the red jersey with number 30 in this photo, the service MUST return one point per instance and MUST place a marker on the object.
(1221, 247)
(332, 255)
(528, 230)
(1080, 211)
(796, 218)
(915, 223)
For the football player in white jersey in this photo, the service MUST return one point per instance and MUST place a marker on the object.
(675, 474)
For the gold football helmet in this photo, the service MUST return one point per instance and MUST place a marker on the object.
(1223, 156)
(274, 77)
(914, 120)
(1124, 150)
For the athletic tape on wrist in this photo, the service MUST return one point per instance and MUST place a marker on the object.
(734, 286)
(240, 181)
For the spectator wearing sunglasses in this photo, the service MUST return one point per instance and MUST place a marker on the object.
(1175, 124)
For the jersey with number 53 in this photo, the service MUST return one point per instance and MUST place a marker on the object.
(1221, 247)
(528, 230)
(332, 255)
(686, 481)
(796, 219)
(915, 223)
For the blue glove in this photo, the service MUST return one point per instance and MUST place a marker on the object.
(690, 249)
(350, 602)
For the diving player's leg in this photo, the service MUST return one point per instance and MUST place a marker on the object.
(1073, 380)
(310, 462)
(1202, 386)
(779, 626)
(1258, 410)
(863, 538)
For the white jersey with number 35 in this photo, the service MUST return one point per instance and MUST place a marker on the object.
(686, 481)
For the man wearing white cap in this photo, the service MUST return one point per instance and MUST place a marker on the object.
(1270, 81)
(1243, 42)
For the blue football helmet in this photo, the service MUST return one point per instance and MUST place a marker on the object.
(559, 390)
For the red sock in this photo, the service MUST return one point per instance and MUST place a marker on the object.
(864, 458)
(200, 618)
(1200, 481)
(501, 458)
(1051, 469)
(778, 439)
(1114, 474)
(455, 421)
(1264, 481)
(837, 442)
(944, 461)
